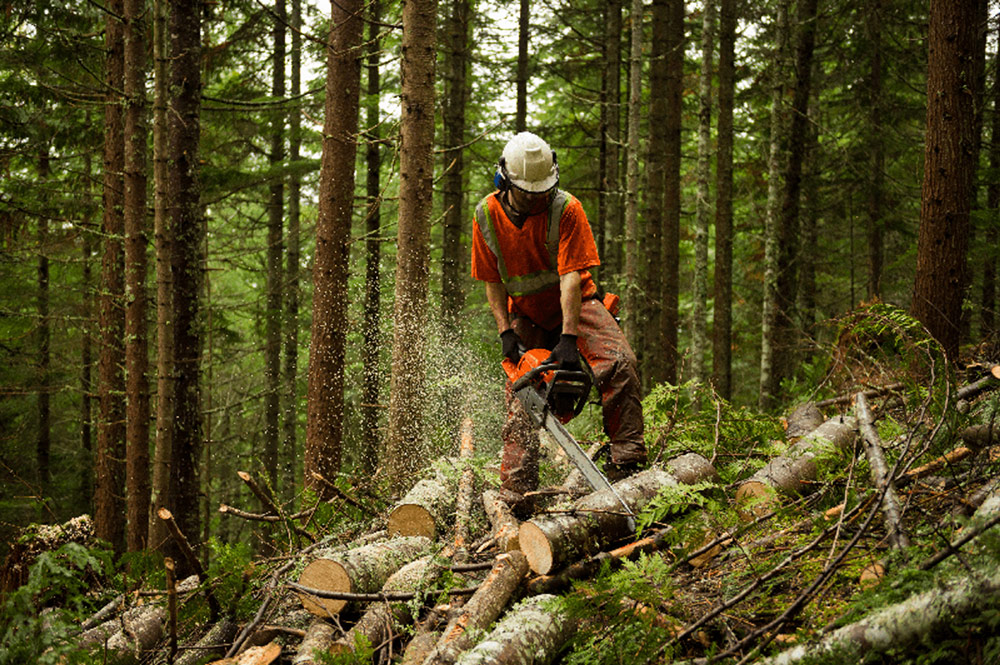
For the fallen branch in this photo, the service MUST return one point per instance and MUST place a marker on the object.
(871, 392)
(191, 559)
(532, 632)
(466, 484)
(880, 474)
(376, 597)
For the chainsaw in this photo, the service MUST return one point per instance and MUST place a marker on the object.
(553, 397)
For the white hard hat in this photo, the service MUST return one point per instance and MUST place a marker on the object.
(530, 164)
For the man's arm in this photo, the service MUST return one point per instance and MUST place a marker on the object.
(570, 293)
(496, 296)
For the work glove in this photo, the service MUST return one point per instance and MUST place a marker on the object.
(511, 345)
(566, 353)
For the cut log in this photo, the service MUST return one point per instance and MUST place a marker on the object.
(35, 539)
(481, 610)
(466, 485)
(213, 644)
(981, 436)
(532, 632)
(362, 570)
(319, 636)
(383, 620)
(129, 638)
(804, 419)
(691, 469)
(423, 511)
(420, 647)
(595, 521)
(909, 624)
(791, 472)
(504, 525)
(880, 475)
(253, 656)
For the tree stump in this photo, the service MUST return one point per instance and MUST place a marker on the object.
(362, 570)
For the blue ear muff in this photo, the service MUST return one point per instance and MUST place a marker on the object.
(500, 179)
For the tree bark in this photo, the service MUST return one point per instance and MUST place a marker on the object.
(532, 632)
(703, 207)
(791, 472)
(876, 142)
(136, 267)
(504, 526)
(362, 570)
(722, 331)
(424, 509)
(405, 443)
(325, 404)
(481, 610)
(43, 442)
(373, 247)
(275, 250)
(521, 81)
(880, 475)
(109, 499)
(949, 170)
(632, 324)
(610, 187)
(319, 636)
(596, 520)
(988, 299)
(163, 238)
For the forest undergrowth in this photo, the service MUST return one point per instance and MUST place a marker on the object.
(729, 582)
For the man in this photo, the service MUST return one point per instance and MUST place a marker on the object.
(533, 248)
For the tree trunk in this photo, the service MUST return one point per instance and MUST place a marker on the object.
(163, 237)
(362, 570)
(136, 267)
(769, 307)
(876, 145)
(109, 500)
(43, 442)
(453, 201)
(722, 331)
(275, 228)
(611, 221)
(405, 444)
(532, 632)
(699, 336)
(988, 301)
(949, 169)
(482, 608)
(187, 265)
(293, 257)
(85, 490)
(325, 407)
(649, 332)
(373, 247)
(791, 472)
(553, 541)
(670, 286)
(632, 324)
(523, 29)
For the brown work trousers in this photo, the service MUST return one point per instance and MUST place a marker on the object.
(602, 344)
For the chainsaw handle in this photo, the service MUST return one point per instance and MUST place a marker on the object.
(533, 373)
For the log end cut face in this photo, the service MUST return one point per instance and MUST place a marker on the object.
(411, 520)
(536, 547)
(326, 575)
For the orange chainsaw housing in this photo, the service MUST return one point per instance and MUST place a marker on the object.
(562, 406)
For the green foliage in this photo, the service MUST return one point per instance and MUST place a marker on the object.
(31, 629)
(674, 499)
(620, 614)
(361, 655)
(691, 417)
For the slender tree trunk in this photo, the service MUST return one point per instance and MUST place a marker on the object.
(772, 224)
(456, 93)
(988, 300)
(184, 130)
(949, 170)
(109, 500)
(404, 446)
(669, 315)
(699, 335)
(86, 487)
(611, 254)
(523, 28)
(649, 331)
(325, 407)
(275, 249)
(163, 238)
(722, 331)
(136, 267)
(876, 145)
(43, 443)
(633, 322)
(806, 301)
(373, 250)
(789, 242)
(291, 290)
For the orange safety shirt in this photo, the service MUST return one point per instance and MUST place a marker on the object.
(522, 258)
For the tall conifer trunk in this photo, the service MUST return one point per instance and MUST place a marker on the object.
(988, 300)
(325, 409)
(186, 223)
(611, 218)
(523, 27)
(699, 325)
(633, 321)
(405, 443)
(109, 499)
(43, 443)
(875, 229)
(136, 344)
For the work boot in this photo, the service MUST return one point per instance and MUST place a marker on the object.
(620, 471)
